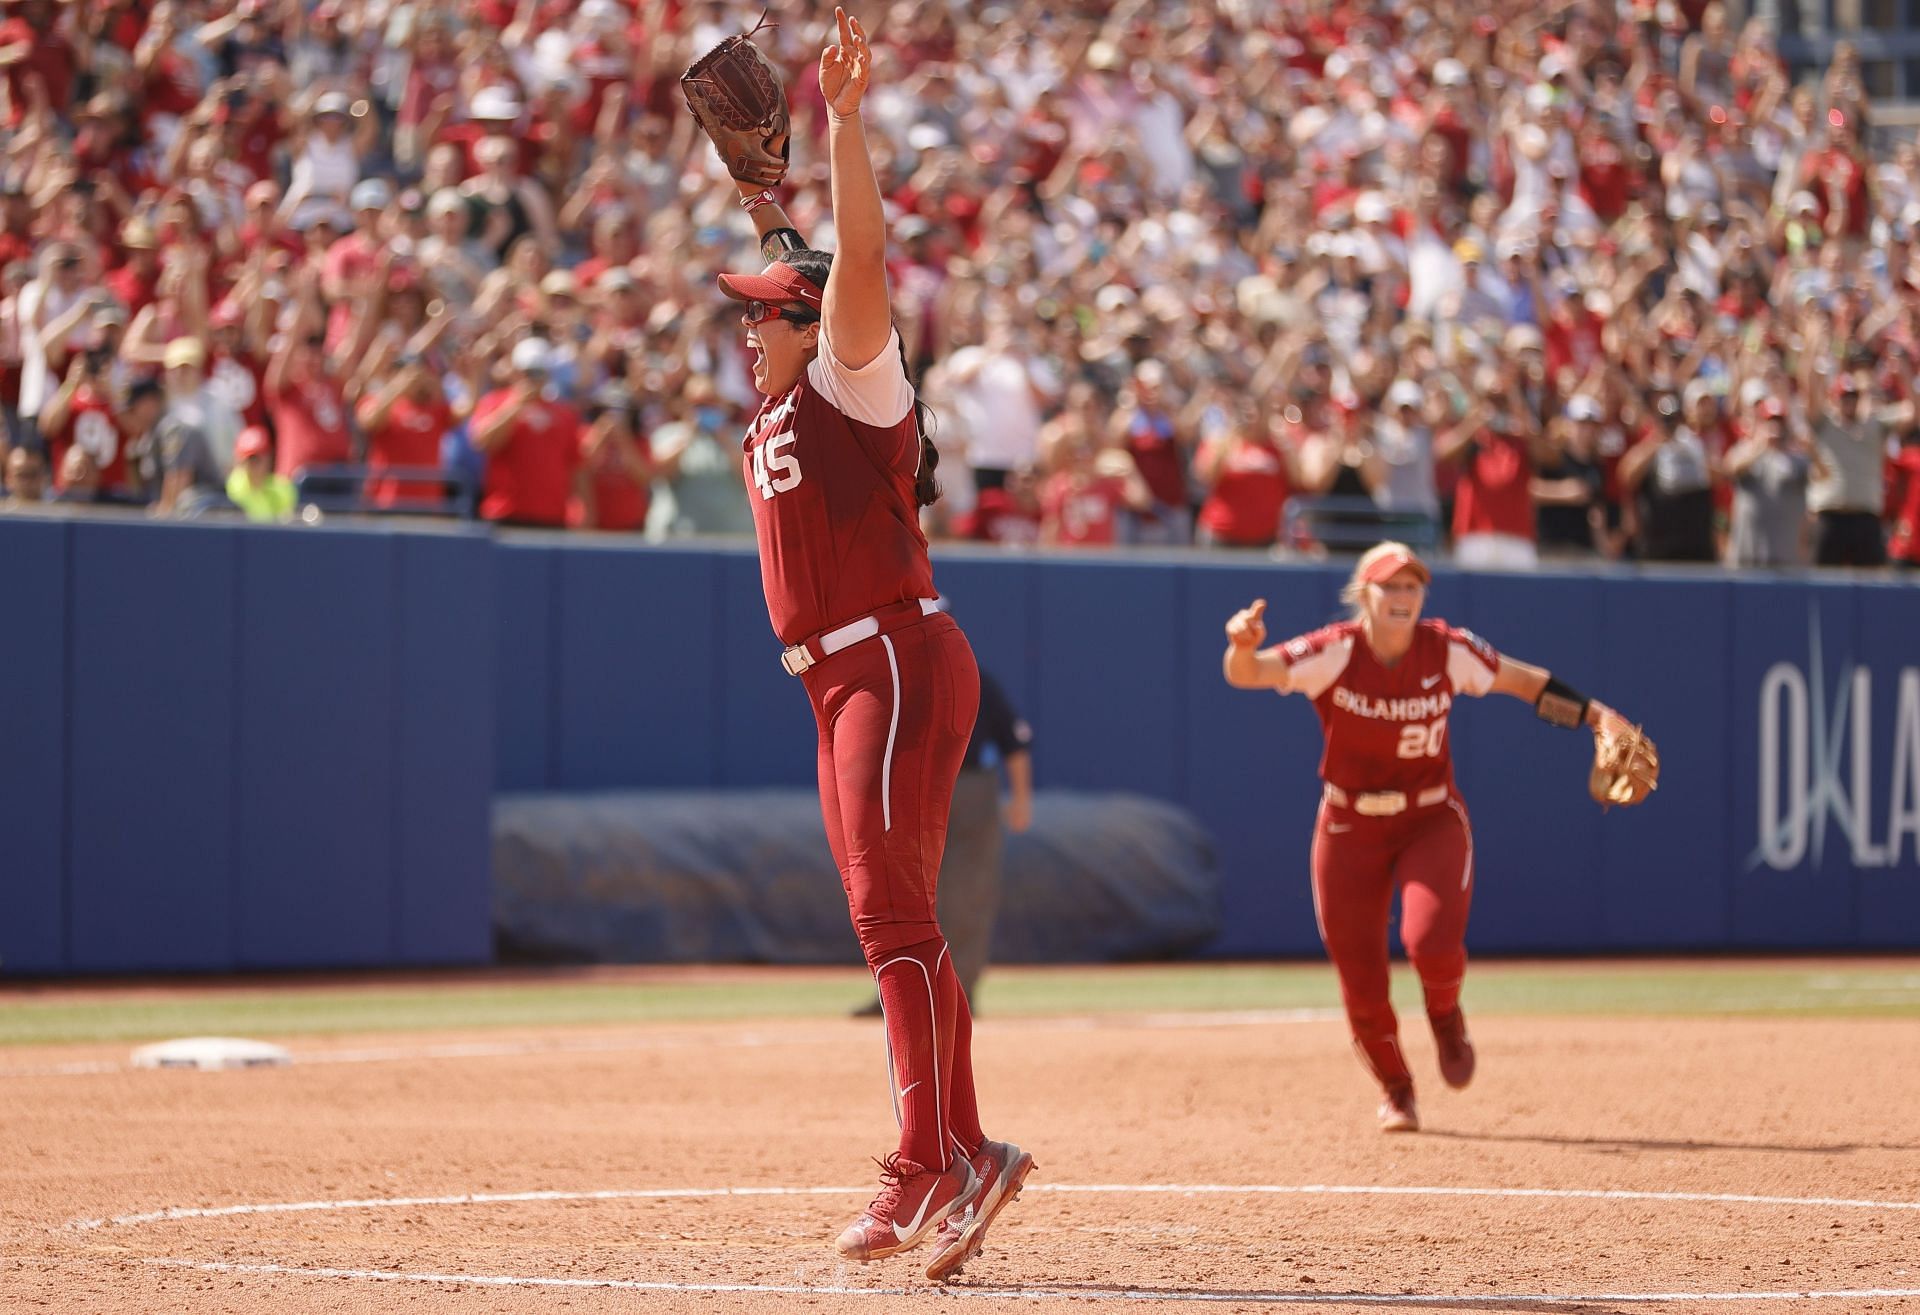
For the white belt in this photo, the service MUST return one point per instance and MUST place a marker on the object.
(828, 642)
(1384, 803)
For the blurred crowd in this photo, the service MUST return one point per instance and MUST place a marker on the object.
(1584, 278)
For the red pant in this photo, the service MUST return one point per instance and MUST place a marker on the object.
(894, 714)
(1358, 862)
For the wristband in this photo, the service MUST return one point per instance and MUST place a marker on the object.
(758, 199)
(1560, 704)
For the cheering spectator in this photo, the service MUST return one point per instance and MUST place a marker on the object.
(1493, 519)
(532, 444)
(192, 404)
(77, 481)
(81, 415)
(1568, 486)
(1904, 497)
(1770, 471)
(1851, 438)
(26, 472)
(254, 487)
(1159, 446)
(697, 464)
(1403, 446)
(612, 487)
(1246, 477)
(406, 423)
(304, 400)
(1082, 501)
(1669, 474)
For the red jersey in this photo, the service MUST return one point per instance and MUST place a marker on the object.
(1386, 726)
(1248, 492)
(999, 517)
(830, 466)
(620, 502)
(240, 381)
(530, 473)
(309, 426)
(409, 436)
(1084, 509)
(1495, 493)
(1905, 463)
(90, 423)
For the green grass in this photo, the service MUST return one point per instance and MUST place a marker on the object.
(1838, 988)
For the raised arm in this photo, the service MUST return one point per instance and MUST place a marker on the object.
(1244, 665)
(856, 310)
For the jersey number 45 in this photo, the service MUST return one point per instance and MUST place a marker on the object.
(774, 468)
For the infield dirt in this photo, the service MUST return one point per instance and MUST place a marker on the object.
(1768, 1108)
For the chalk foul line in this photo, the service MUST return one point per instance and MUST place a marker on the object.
(1479, 1300)
(1156, 1189)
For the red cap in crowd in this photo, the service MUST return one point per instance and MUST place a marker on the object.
(253, 442)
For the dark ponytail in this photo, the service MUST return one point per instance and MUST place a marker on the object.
(926, 487)
(816, 265)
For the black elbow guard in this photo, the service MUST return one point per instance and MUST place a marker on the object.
(1560, 704)
(779, 241)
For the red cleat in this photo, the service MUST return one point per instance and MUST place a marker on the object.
(1397, 1112)
(1002, 1169)
(1456, 1048)
(911, 1204)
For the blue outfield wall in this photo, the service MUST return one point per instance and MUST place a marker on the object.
(231, 747)
(227, 747)
(1116, 663)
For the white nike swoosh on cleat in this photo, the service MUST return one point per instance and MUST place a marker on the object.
(919, 1220)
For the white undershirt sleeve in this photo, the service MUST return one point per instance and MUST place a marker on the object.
(878, 393)
(1468, 671)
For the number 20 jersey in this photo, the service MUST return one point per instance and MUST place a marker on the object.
(1386, 726)
(833, 504)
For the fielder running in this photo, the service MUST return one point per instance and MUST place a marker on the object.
(837, 464)
(1391, 818)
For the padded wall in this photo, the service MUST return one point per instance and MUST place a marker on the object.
(241, 747)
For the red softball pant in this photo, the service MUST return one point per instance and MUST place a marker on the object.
(894, 714)
(1358, 862)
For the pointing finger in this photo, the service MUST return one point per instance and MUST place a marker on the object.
(1259, 608)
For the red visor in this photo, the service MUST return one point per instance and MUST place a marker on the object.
(778, 282)
(1383, 569)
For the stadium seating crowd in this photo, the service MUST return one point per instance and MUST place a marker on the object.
(1590, 278)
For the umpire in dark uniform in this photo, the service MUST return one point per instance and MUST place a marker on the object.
(969, 894)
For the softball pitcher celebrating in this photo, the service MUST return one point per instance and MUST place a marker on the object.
(1390, 817)
(837, 464)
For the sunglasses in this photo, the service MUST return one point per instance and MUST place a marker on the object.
(762, 312)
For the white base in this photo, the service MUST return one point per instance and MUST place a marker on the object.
(211, 1053)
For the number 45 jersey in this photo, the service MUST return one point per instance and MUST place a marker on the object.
(1386, 726)
(830, 467)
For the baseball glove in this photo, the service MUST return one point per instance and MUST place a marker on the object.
(1626, 766)
(736, 93)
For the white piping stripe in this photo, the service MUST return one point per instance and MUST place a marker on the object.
(1466, 873)
(1128, 1189)
(1075, 1292)
(933, 1018)
(893, 727)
